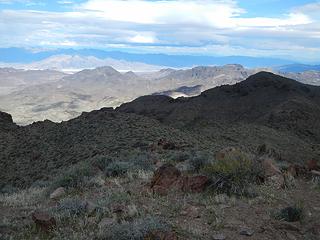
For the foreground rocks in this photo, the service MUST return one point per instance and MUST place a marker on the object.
(44, 221)
(168, 177)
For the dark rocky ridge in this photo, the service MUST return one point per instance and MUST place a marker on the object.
(264, 108)
(264, 98)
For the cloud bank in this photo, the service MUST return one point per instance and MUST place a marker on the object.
(210, 27)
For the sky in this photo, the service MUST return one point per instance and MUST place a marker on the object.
(259, 28)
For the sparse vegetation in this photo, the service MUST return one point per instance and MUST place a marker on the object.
(71, 207)
(23, 198)
(234, 174)
(74, 177)
(135, 230)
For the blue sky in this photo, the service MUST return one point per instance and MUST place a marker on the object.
(268, 28)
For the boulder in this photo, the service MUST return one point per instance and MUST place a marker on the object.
(58, 193)
(44, 221)
(164, 177)
(168, 177)
(194, 184)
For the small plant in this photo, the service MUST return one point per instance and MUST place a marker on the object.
(234, 174)
(135, 230)
(290, 214)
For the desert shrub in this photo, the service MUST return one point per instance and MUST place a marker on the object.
(74, 177)
(8, 189)
(101, 161)
(199, 160)
(71, 207)
(135, 230)
(117, 169)
(179, 156)
(23, 198)
(114, 197)
(234, 174)
(290, 214)
(141, 161)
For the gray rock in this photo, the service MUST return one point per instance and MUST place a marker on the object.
(246, 232)
(58, 193)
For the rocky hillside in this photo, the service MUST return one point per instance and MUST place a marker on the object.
(264, 109)
(263, 101)
(51, 147)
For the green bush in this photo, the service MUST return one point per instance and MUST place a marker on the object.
(135, 230)
(290, 214)
(234, 174)
(74, 177)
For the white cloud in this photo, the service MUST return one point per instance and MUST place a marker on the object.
(165, 12)
(214, 13)
(142, 39)
(205, 27)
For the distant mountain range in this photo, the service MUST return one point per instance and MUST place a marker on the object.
(76, 63)
(295, 68)
(27, 56)
(47, 94)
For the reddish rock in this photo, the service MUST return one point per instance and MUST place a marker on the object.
(165, 176)
(194, 183)
(159, 235)
(313, 165)
(44, 221)
(168, 177)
